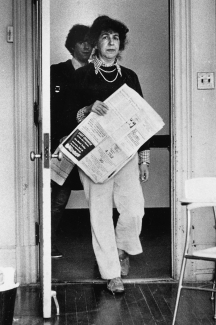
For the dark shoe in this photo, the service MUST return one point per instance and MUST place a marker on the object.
(115, 285)
(55, 252)
(125, 265)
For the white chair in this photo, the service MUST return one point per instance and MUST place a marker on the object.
(199, 192)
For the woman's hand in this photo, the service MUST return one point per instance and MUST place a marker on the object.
(98, 107)
(144, 173)
(62, 139)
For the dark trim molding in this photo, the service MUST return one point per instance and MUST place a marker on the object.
(160, 141)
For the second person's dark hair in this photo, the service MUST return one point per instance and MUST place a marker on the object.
(76, 34)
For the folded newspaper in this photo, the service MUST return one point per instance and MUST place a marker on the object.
(102, 145)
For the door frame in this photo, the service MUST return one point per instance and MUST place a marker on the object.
(44, 142)
(25, 140)
(26, 190)
(181, 121)
(31, 206)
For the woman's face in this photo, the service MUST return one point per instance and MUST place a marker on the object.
(108, 46)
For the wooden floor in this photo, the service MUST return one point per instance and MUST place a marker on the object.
(88, 304)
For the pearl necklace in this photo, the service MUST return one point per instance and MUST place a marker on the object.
(107, 72)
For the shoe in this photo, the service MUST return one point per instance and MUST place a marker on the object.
(125, 265)
(55, 253)
(115, 285)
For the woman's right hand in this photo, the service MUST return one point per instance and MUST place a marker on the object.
(99, 108)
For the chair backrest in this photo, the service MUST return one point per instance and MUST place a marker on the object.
(201, 189)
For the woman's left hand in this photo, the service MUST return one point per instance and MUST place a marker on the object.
(144, 173)
(99, 108)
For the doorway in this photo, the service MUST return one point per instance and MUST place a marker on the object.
(79, 265)
(150, 59)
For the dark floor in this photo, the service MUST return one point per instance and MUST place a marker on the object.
(78, 264)
(83, 297)
(92, 304)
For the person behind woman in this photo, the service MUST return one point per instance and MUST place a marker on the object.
(94, 83)
(61, 76)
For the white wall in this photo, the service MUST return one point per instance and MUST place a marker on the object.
(147, 53)
(7, 161)
(204, 109)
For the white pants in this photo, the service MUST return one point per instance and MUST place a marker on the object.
(126, 191)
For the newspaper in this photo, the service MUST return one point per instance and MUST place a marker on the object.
(102, 145)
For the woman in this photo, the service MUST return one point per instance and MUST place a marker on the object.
(94, 83)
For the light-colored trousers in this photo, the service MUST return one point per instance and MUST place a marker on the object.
(126, 191)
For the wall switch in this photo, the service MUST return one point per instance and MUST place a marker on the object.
(10, 34)
(205, 80)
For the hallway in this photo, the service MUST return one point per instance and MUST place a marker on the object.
(79, 264)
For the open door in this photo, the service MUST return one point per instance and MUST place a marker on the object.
(41, 22)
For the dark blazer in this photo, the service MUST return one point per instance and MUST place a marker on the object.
(61, 80)
(61, 76)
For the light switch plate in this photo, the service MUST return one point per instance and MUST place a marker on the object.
(10, 34)
(205, 80)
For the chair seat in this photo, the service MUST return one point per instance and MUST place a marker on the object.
(205, 253)
(205, 201)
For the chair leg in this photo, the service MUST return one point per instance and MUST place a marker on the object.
(214, 306)
(53, 295)
(213, 294)
(179, 289)
(214, 281)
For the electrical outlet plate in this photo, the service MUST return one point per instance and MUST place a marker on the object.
(205, 80)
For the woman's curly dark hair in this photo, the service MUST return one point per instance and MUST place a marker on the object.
(105, 23)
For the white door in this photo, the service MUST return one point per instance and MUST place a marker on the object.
(41, 24)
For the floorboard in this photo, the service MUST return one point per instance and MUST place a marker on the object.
(93, 304)
(84, 298)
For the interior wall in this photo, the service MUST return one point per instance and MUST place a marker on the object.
(147, 54)
(7, 161)
(203, 126)
(204, 112)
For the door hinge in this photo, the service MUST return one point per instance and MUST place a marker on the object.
(46, 150)
(36, 114)
(37, 233)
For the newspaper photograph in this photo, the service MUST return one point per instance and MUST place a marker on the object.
(102, 145)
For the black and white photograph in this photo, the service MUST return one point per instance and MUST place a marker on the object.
(108, 162)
